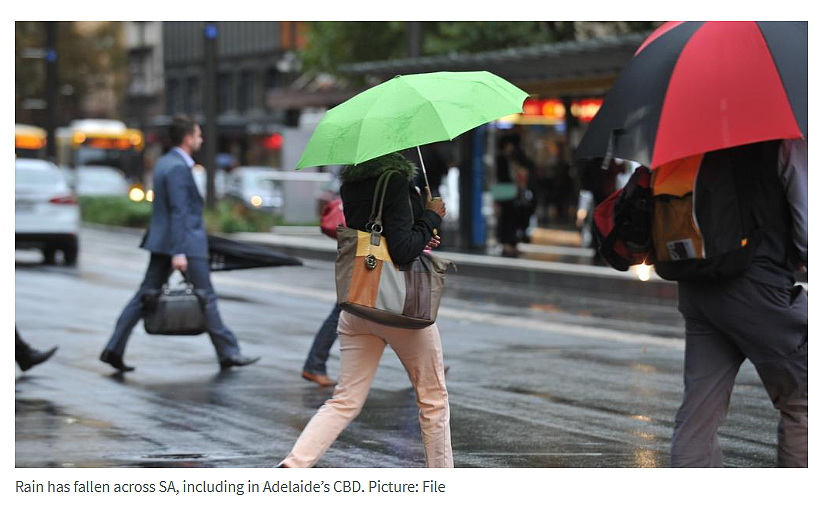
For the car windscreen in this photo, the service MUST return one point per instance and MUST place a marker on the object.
(269, 184)
(101, 180)
(38, 177)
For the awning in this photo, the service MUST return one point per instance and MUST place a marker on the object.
(562, 68)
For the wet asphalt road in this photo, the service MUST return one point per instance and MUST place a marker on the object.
(536, 379)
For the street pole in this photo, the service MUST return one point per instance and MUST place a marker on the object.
(472, 222)
(414, 39)
(210, 123)
(51, 62)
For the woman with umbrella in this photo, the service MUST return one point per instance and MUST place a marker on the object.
(408, 230)
(405, 112)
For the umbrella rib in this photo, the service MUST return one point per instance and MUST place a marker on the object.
(361, 128)
(436, 114)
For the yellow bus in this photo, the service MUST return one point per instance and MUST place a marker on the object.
(30, 142)
(101, 142)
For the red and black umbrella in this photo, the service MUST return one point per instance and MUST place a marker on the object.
(694, 87)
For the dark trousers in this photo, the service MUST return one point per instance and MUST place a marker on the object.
(159, 269)
(726, 323)
(323, 341)
(507, 231)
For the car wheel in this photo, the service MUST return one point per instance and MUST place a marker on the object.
(71, 254)
(49, 255)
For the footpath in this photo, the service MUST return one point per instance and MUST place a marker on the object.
(544, 266)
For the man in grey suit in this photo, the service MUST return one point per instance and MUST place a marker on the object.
(177, 241)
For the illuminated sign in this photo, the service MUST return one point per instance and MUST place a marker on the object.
(553, 111)
(552, 108)
(585, 109)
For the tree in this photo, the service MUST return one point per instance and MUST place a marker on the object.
(470, 37)
(331, 44)
(90, 58)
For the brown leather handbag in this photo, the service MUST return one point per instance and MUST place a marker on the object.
(371, 286)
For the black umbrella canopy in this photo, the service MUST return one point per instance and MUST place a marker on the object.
(227, 254)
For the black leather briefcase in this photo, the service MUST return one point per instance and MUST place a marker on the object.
(174, 311)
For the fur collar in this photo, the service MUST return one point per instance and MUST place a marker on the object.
(377, 166)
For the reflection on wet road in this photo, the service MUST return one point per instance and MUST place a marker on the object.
(536, 380)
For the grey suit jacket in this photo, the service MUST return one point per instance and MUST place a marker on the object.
(177, 222)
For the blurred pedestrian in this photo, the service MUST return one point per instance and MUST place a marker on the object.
(516, 206)
(436, 165)
(759, 315)
(177, 241)
(408, 228)
(27, 356)
(565, 190)
(525, 200)
(314, 368)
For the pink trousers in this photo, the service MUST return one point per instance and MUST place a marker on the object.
(362, 343)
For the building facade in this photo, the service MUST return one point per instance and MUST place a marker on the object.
(252, 59)
(145, 93)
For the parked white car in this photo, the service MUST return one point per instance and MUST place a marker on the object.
(257, 188)
(46, 212)
(199, 174)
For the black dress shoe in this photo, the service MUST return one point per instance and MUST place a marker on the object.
(237, 360)
(109, 357)
(35, 357)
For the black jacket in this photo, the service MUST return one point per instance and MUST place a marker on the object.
(408, 226)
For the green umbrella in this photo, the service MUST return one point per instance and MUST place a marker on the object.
(409, 111)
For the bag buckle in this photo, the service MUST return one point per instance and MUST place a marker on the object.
(375, 234)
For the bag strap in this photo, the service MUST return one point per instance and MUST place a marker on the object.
(375, 223)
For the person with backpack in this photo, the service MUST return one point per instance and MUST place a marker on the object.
(731, 227)
(753, 310)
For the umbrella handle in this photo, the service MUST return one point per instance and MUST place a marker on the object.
(425, 173)
(427, 184)
(428, 199)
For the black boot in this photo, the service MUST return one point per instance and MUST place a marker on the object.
(237, 359)
(34, 357)
(109, 357)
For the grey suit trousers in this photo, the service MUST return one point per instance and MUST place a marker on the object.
(159, 269)
(727, 322)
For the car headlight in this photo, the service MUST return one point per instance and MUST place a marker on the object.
(136, 194)
(256, 200)
(642, 271)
